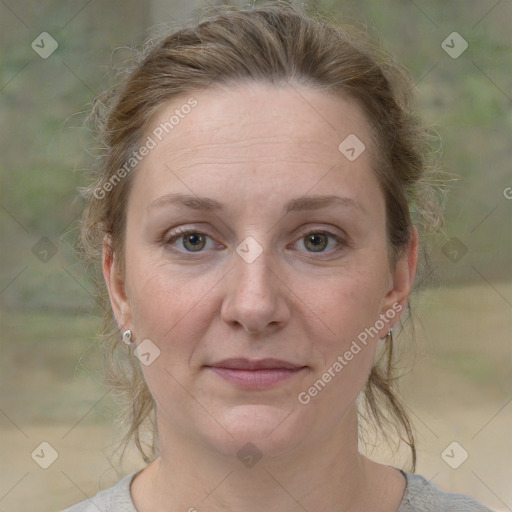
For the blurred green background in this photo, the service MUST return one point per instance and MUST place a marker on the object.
(51, 385)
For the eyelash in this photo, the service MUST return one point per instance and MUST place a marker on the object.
(180, 232)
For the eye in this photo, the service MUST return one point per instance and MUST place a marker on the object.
(190, 240)
(319, 241)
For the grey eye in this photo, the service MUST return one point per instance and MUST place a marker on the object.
(316, 242)
(194, 241)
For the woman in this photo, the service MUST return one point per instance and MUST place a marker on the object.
(258, 210)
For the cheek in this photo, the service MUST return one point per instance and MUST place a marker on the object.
(348, 302)
(163, 302)
(174, 312)
(350, 306)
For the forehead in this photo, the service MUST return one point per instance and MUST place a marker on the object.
(294, 120)
(279, 136)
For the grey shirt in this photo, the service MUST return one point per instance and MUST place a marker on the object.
(419, 496)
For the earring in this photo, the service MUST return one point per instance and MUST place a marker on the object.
(127, 337)
(388, 334)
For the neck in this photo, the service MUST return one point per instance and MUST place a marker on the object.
(327, 474)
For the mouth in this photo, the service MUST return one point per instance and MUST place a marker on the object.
(255, 374)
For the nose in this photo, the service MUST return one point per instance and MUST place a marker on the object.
(255, 297)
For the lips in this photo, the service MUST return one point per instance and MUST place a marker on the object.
(255, 364)
(255, 374)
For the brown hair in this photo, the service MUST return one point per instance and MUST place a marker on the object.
(276, 43)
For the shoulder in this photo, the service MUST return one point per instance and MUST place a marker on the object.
(113, 499)
(422, 496)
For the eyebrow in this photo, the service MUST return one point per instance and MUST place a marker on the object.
(305, 203)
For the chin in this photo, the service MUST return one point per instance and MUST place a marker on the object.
(266, 429)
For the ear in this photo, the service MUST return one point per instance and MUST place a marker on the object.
(401, 283)
(115, 285)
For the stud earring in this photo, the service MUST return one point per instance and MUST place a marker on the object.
(388, 334)
(127, 337)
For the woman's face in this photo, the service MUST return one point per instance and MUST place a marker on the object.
(282, 278)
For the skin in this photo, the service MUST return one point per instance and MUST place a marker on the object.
(253, 148)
